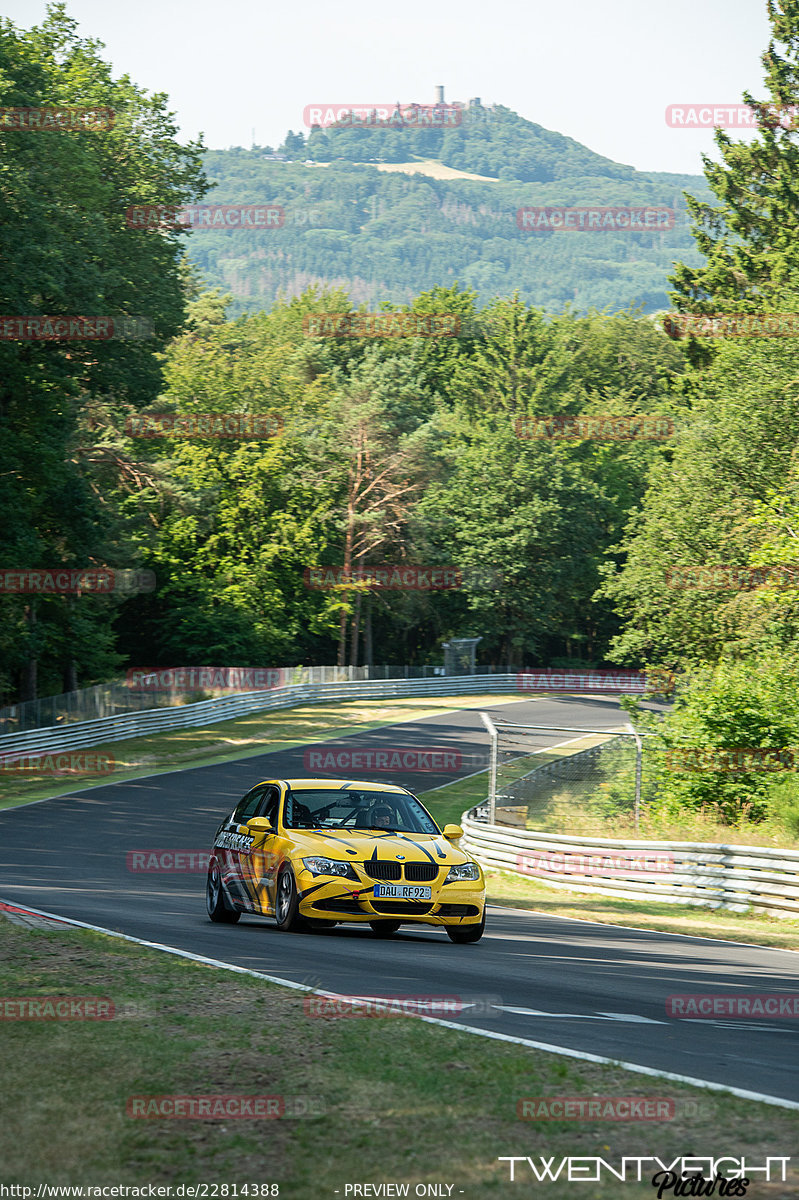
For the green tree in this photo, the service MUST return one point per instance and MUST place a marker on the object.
(524, 511)
(66, 250)
(701, 757)
(740, 424)
(749, 239)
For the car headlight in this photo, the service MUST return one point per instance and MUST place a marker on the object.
(467, 870)
(328, 866)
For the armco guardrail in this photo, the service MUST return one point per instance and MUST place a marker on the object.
(131, 725)
(710, 875)
(142, 691)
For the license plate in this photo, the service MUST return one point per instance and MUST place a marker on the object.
(401, 891)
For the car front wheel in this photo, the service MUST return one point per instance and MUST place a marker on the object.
(287, 904)
(215, 900)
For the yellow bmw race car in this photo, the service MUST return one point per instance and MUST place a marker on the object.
(314, 852)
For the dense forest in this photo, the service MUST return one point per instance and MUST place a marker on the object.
(387, 237)
(403, 450)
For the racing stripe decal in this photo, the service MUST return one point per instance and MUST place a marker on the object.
(301, 895)
(421, 847)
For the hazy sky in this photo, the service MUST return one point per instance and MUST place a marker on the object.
(600, 71)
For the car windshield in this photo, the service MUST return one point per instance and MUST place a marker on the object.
(310, 808)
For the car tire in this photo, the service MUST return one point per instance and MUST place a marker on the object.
(384, 929)
(287, 902)
(215, 900)
(463, 934)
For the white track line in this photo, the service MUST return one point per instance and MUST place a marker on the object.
(564, 1051)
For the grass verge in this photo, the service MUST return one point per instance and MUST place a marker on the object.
(758, 928)
(503, 887)
(579, 810)
(398, 1100)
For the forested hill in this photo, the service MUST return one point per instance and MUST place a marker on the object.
(351, 219)
(487, 141)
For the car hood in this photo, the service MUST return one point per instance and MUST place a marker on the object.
(414, 847)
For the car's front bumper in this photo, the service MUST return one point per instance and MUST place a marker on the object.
(324, 899)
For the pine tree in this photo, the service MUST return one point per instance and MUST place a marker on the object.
(751, 239)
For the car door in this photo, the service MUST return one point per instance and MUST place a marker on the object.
(233, 848)
(258, 866)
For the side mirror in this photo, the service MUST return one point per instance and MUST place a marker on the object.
(259, 825)
(452, 832)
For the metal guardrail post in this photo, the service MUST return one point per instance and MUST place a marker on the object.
(492, 776)
(639, 770)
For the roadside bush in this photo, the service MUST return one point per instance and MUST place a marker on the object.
(709, 749)
(783, 802)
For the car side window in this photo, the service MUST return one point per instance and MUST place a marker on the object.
(269, 803)
(248, 807)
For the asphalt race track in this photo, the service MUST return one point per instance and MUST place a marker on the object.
(594, 988)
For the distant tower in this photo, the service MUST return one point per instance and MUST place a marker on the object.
(439, 93)
(475, 103)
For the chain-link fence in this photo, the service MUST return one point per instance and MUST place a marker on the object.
(536, 773)
(86, 704)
